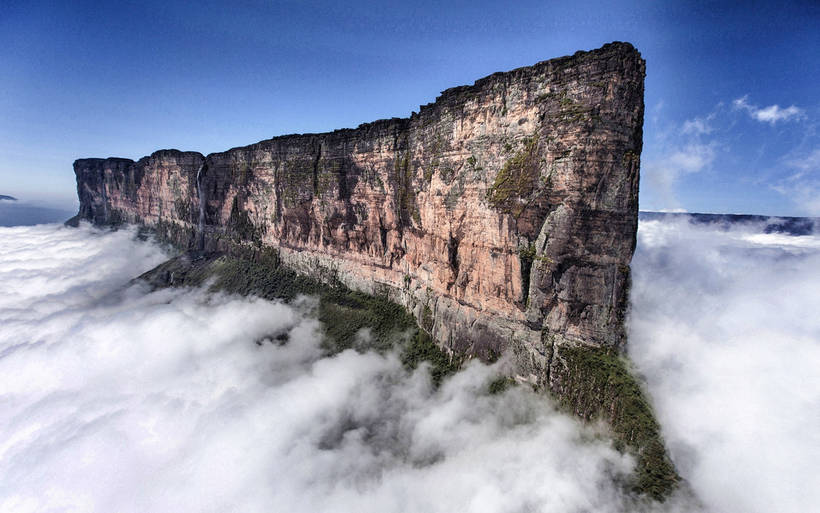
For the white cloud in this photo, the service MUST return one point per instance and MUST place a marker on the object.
(682, 150)
(809, 163)
(771, 114)
(123, 400)
(118, 399)
(724, 326)
(697, 126)
(802, 186)
(691, 158)
(664, 171)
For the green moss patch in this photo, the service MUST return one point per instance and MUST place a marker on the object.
(500, 384)
(517, 180)
(421, 348)
(597, 384)
(240, 225)
(343, 312)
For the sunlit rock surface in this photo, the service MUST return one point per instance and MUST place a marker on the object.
(503, 215)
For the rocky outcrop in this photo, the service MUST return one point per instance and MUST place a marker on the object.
(503, 215)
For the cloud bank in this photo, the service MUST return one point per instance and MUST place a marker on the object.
(124, 400)
(115, 398)
(724, 326)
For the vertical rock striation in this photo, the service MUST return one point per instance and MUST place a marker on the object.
(503, 215)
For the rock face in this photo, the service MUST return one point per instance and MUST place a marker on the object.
(503, 215)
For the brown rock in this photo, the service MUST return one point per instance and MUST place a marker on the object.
(507, 209)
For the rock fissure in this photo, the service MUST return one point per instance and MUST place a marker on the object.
(203, 197)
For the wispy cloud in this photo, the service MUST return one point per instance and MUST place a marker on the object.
(771, 114)
(698, 126)
(687, 149)
(809, 163)
(691, 158)
(802, 186)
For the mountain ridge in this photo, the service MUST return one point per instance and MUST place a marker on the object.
(502, 216)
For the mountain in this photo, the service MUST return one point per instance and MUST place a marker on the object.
(21, 213)
(502, 216)
(767, 224)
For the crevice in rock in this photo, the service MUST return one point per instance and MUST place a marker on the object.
(452, 254)
(203, 198)
(316, 160)
(526, 256)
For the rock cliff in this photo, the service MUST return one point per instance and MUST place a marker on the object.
(503, 215)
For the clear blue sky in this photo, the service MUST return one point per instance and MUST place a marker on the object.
(731, 88)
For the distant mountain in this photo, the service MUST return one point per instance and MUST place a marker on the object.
(10, 198)
(770, 224)
(16, 213)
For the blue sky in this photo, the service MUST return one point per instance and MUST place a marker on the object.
(732, 107)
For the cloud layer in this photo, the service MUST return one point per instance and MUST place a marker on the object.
(724, 326)
(123, 400)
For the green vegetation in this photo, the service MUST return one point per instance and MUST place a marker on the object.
(327, 176)
(241, 226)
(500, 384)
(173, 233)
(343, 312)
(428, 172)
(597, 384)
(517, 180)
(421, 348)
(183, 209)
(545, 97)
(594, 383)
(242, 174)
(568, 109)
(427, 318)
(447, 174)
(630, 157)
(295, 180)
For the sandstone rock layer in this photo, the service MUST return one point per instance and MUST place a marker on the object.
(503, 215)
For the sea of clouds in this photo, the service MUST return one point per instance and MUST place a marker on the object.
(725, 327)
(117, 398)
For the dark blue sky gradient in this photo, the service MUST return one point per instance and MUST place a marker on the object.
(84, 79)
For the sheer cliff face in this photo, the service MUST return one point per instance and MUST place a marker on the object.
(503, 215)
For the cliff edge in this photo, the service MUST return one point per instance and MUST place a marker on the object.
(503, 215)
